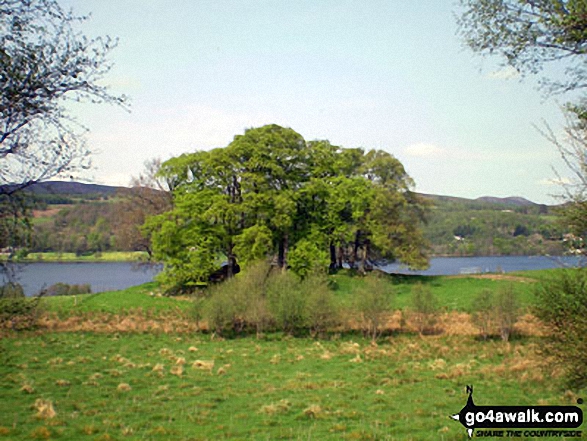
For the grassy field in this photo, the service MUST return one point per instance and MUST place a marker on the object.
(77, 386)
(453, 294)
(143, 297)
(146, 372)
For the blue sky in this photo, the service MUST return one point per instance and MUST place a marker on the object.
(391, 75)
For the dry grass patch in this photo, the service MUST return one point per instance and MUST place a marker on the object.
(27, 388)
(205, 365)
(313, 411)
(281, 407)
(123, 387)
(132, 321)
(350, 347)
(44, 408)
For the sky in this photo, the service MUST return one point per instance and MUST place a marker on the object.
(390, 75)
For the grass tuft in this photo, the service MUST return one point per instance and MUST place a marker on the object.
(44, 409)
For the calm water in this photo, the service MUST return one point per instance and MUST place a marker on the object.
(444, 266)
(105, 276)
(120, 275)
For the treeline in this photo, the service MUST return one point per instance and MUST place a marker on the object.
(80, 228)
(470, 228)
(98, 222)
(454, 227)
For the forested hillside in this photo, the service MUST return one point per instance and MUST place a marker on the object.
(492, 226)
(71, 217)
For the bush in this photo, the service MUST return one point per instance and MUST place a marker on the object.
(239, 302)
(63, 289)
(16, 311)
(224, 310)
(506, 311)
(562, 306)
(11, 290)
(259, 299)
(424, 308)
(484, 312)
(287, 302)
(322, 312)
(373, 304)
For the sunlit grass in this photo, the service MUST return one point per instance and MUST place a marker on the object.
(106, 256)
(453, 293)
(160, 387)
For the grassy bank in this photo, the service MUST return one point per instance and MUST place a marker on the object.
(453, 294)
(108, 256)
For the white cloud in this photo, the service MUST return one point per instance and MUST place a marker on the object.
(556, 182)
(506, 73)
(423, 150)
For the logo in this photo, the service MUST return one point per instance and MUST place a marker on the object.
(549, 418)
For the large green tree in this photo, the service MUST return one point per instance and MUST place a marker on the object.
(271, 194)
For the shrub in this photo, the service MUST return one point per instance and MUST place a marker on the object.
(506, 311)
(424, 308)
(483, 312)
(21, 254)
(63, 289)
(16, 311)
(562, 305)
(254, 282)
(373, 304)
(11, 290)
(239, 302)
(225, 308)
(322, 312)
(287, 302)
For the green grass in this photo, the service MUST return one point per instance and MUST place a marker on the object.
(107, 256)
(144, 297)
(278, 388)
(453, 293)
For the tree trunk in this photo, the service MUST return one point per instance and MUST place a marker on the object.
(282, 252)
(340, 256)
(364, 255)
(356, 245)
(285, 251)
(231, 262)
(333, 264)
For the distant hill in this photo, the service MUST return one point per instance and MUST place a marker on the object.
(516, 201)
(513, 201)
(71, 188)
(80, 189)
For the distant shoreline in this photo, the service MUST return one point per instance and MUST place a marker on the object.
(107, 256)
(141, 256)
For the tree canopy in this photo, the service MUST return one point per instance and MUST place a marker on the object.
(530, 35)
(271, 194)
(45, 62)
